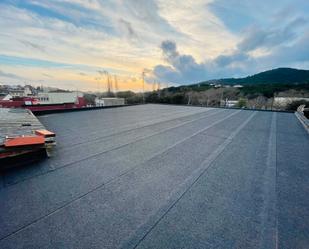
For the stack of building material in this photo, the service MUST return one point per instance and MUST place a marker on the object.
(23, 139)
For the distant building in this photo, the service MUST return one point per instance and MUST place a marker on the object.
(238, 86)
(7, 97)
(229, 103)
(28, 90)
(58, 97)
(17, 93)
(109, 101)
(284, 101)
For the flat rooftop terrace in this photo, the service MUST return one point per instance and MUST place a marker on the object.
(159, 176)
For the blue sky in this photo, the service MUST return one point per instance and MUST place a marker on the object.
(66, 43)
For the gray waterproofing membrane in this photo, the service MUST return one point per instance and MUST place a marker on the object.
(159, 176)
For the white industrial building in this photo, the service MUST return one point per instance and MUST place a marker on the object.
(109, 101)
(58, 97)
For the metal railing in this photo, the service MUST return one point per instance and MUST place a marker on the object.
(302, 118)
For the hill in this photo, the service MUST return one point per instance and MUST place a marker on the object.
(257, 90)
(274, 76)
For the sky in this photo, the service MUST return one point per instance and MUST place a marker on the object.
(71, 44)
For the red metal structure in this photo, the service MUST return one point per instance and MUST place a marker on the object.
(32, 104)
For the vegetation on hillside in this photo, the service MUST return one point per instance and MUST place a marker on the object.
(274, 76)
(257, 91)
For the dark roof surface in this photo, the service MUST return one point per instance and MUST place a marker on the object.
(159, 176)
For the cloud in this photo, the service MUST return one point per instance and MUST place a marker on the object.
(225, 60)
(182, 67)
(10, 75)
(287, 48)
(276, 43)
(102, 72)
(33, 45)
(169, 50)
(268, 38)
(127, 29)
(47, 75)
(296, 52)
(167, 73)
(212, 38)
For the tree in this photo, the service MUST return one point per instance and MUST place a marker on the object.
(259, 102)
(242, 103)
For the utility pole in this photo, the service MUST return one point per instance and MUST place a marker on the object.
(143, 81)
(110, 82)
(159, 89)
(98, 83)
(116, 85)
(108, 88)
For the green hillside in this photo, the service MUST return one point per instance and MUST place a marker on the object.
(274, 76)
